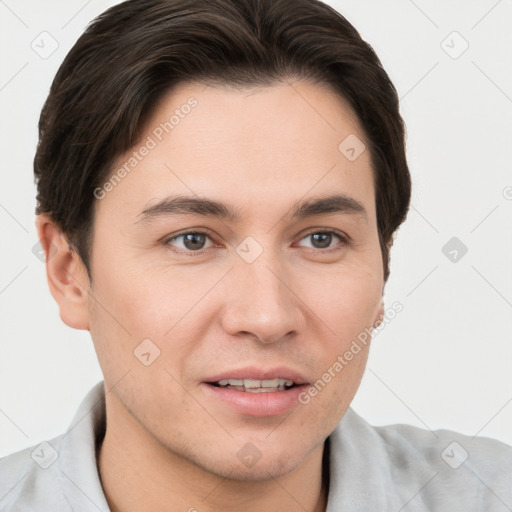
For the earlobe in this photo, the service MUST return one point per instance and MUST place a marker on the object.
(66, 274)
(379, 317)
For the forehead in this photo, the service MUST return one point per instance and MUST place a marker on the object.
(255, 146)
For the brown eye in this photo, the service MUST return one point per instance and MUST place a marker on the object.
(323, 239)
(193, 241)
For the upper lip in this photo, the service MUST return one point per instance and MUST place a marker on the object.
(253, 372)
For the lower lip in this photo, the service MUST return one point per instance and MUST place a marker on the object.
(257, 404)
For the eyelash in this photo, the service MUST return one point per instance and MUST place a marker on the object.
(344, 240)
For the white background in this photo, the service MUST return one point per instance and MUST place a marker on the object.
(445, 361)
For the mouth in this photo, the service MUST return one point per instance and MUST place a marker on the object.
(255, 391)
(255, 385)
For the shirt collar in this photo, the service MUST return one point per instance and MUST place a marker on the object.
(359, 475)
(79, 474)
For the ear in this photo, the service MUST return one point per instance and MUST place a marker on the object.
(66, 274)
(379, 315)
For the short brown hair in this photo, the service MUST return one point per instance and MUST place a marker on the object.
(137, 51)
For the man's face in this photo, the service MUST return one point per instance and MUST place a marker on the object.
(266, 295)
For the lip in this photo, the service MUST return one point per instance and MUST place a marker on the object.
(252, 372)
(263, 404)
(271, 403)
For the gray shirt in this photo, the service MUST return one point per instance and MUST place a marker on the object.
(391, 468)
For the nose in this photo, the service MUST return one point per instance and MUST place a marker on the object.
(261, 302)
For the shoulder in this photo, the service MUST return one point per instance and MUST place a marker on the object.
(437, 469)
(54, 474)
(446, 448)
(29, 480)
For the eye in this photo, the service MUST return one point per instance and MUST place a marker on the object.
(322, 240)
(193, 241)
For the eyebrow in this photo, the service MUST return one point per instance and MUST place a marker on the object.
(190, 205)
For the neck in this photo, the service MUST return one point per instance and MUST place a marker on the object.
(139, 473)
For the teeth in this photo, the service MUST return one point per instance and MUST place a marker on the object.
(256, 386)
(232, 382)
(252, 383)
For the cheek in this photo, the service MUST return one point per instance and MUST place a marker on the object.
(349, 311)
(346, 299)
(122, 314)
(136, 302)
(137, 295)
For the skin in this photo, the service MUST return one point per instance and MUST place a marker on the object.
(168, 446)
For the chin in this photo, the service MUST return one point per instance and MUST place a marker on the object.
(261, 471)
(247, 463)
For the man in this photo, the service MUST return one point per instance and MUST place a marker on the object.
(218, 188)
